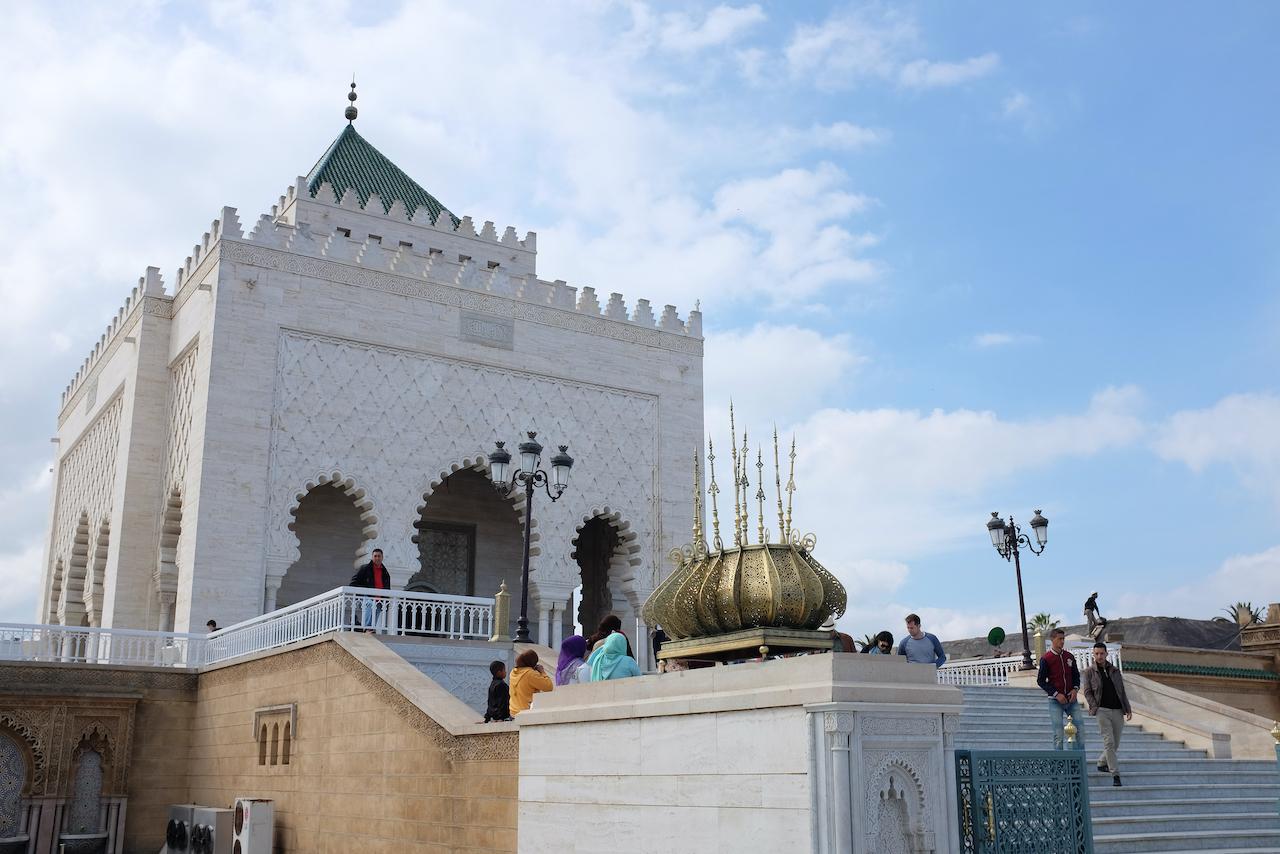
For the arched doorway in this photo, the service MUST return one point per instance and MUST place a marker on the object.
(330, 528)
(469, 538)
(594, 548)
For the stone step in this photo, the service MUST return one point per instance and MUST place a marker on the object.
(1042, 731)
(1178, 805)
(1241, 840)
(1200, 766)
(1124, 754)
(1174, 777)
(1112, 825)
(1133, 790)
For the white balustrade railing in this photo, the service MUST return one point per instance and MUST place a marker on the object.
(394, 612)
(995, 671)
(85, 645)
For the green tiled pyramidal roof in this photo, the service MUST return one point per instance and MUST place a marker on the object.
(352, 163)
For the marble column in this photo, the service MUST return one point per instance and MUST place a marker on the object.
(544, 625)
(557, 625)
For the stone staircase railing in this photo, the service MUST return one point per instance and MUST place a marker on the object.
(343, 609)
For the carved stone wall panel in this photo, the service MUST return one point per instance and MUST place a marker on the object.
(912, 772)
(58, 730)
(394, 419)
(182, 388)
(86, 483)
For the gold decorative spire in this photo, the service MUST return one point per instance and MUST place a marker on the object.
(746, 502)
(698, 542)
(791, 487)
(763, 585)
(777, 485)
(713, 491)
(737, 480)
(760, 496)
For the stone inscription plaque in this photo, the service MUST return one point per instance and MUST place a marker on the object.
(488, 329)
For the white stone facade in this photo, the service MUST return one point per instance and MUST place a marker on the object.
(823, 754)
(338, 344)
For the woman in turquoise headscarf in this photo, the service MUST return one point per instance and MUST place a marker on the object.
(609, 660)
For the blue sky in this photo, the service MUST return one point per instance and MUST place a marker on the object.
(976, 256)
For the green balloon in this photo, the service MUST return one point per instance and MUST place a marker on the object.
(995, 637)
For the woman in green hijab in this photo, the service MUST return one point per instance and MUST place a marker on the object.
(609, 660)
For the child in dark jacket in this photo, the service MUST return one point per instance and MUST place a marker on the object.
(499, 708)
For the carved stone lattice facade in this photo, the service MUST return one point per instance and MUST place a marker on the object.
(354, 340)
(444, 412)
(86, 488)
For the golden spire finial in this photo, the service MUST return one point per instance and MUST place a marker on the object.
(697, 499)
(791, 487)
(777, 484)
(713, 491)
(737, 478)
(760, 495)
(746, 502)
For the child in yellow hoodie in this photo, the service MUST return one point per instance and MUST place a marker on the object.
(526, 680)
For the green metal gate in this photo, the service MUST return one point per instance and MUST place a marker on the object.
(1023, 802)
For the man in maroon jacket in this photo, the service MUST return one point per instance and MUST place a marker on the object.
(1059, 677)
(375, 576)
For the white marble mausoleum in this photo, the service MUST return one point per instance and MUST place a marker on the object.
(330, 379)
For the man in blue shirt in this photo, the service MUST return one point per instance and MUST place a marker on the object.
(921, 647)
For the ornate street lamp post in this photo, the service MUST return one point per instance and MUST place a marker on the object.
(1006, 537)
(530, 476)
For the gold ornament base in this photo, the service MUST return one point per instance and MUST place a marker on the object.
(747, 643)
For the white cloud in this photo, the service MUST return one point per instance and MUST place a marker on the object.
(864, 45)
(863, 472)
(1241, 431)
(127, 111)
(772, 371)
(840, 136)
(1250, 578)
(20, 579)
(1016, 105)
(989, 340)
(924, 74)
(722, 25)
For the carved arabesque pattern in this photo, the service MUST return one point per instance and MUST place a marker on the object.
(393, 418)
(86, 483)
(182, 388)
(904, 771)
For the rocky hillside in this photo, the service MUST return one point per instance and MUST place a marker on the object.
(1160, 631)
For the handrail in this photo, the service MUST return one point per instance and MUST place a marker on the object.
(995, 671)
(395, 612)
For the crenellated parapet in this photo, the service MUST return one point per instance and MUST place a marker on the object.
(448, 251)
(150, 297)
(383, 238)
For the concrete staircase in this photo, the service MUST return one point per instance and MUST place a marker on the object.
(1173, 798)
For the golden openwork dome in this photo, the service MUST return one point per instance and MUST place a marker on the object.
(722, 588)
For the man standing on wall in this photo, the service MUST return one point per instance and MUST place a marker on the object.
(921, 647)
(375, 576)
(1060, 679)
(1093, 615)
(1104, 694)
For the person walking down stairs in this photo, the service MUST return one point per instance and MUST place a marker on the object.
(1105, 697)
(1059, 677)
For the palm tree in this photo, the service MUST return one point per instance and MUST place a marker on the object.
(1042, 623)
(1242, 613)
(868, 641)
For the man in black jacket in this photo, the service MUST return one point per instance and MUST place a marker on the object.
(375, 576)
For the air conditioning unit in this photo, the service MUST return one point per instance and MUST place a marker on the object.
(253, 826)
(212, 831)
(177, 833)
